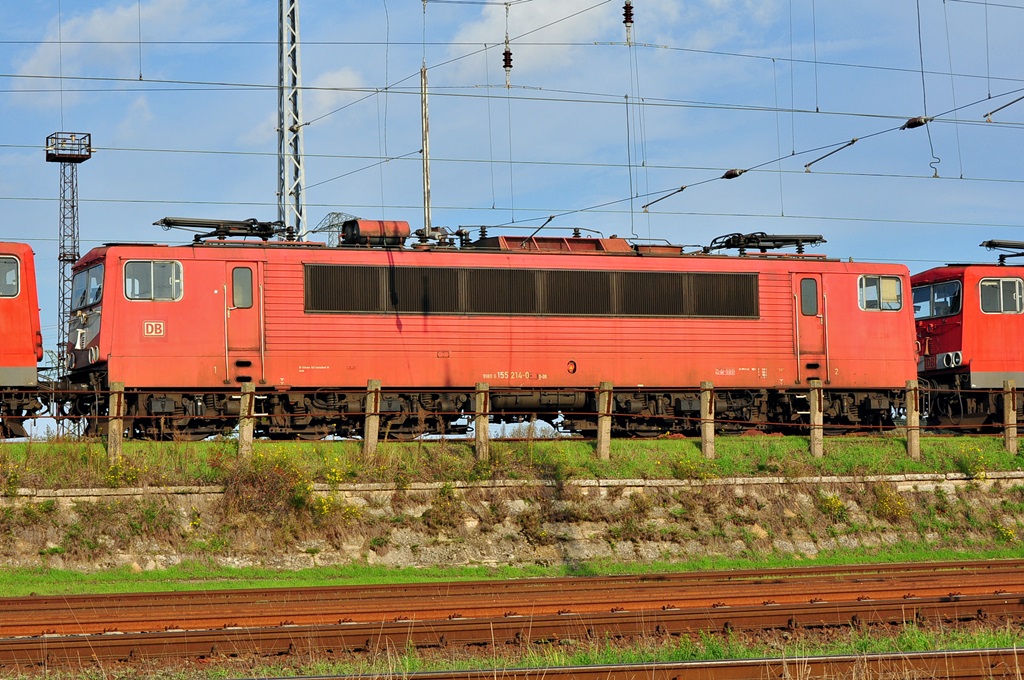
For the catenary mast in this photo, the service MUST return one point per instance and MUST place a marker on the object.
(291, 176)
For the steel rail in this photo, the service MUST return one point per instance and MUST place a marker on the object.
(143, 612)
(507, 630)
(977, 664)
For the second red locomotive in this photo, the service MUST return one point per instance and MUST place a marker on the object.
(970, 319)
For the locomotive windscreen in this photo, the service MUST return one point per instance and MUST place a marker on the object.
(517, 292)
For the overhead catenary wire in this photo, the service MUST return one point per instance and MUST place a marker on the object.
(374, 43)
(140, 38)
(814, 39)
(778, 137)
(546, 212)
(655, 102)
(952, 90)
(924, 95)
(467, 55)
(507, 65)
(812, 150)
(737, 172)
(513, 97)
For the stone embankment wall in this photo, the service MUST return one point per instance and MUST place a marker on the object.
(508, 522)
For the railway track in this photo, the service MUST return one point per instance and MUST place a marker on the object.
(44, 631)
(216, 609)
(982, 664)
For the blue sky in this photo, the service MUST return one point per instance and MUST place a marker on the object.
(590, 130)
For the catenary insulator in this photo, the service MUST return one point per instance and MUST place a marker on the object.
(627, 19)
(915, 123)
(506, 62)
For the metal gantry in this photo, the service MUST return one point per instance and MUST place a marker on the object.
(69, 149)
(291, 177)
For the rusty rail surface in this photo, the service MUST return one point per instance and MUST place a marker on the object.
(205, 610)
(48, 651)
(980, 664)
(505, 613)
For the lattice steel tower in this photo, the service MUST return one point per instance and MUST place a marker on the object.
(291, 177)
(69, 149)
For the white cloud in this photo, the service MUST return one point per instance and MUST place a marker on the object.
(324, 94)
(541, 22)
(261, 134)
(330, 91)
(105, 41)
(135, 123)
(714, 23)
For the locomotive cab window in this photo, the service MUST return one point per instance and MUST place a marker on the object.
(937, 300)
(87, 287)
(880, 293)
(241, 288)
(808, 297)
(1001, 296)
(152, 280)
(9, 277)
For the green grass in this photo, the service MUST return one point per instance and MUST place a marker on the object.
(275, 482)
(198, 575)
(85, 464)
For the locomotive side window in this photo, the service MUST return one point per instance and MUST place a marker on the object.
(938, 300)
(8, 277)
(880, 293)
(1001, 296)
(87, 287)
(808, 297)
(152, 280)
(241, 288)
(530, 292)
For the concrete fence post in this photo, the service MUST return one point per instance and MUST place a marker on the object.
(707, 419)
(371, 426)
(1010, 416)
(115, 425)
(604, 420)
(913, 420)
(481, 421)
(246, 419)
(817, 399)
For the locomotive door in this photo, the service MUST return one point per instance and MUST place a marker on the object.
(243, 322)
(810, 331)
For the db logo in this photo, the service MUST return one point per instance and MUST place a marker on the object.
(153, 328)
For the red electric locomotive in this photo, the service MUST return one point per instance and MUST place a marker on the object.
(970, 321)
(21, 347)
(541, 320)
